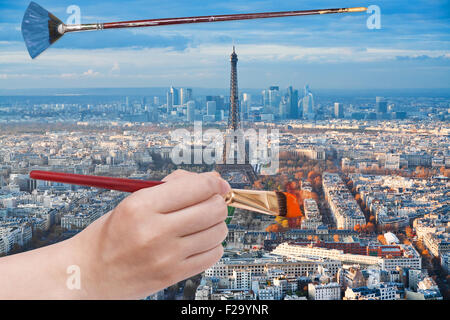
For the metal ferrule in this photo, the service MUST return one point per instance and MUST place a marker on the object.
(265, 202)
(343, 10)
(65, 28)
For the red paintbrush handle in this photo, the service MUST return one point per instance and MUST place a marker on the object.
(224, 17)
(118, 184)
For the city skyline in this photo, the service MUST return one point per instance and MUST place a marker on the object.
(411, 50)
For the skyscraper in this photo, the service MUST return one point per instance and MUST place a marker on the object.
(185, 95)
(381, 105)
(175, 96)
(219, 101)
(190, 112)
(283, 108)
(211, 107)
(265, 94)
(292, 101)
(169, 101)
(274, 96)
(245, 105)
(307, 104)
(338, 110)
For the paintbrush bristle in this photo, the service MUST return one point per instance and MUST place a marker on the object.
(288, 205)
(39, 29)
(282, 203)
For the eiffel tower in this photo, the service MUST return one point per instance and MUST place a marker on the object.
(236, 168)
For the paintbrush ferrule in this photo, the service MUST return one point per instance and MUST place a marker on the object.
(357, 9)
(65, 28)
(265, 202)
(343, 10)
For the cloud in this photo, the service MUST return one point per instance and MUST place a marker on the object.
(90, 73)
(115, 67)
(424, 57)
(200, 59)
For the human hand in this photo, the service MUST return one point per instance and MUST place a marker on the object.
(154, 238)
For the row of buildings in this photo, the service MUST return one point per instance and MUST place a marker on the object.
(345, 210)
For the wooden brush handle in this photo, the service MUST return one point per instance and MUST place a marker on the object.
(118, 184)
(224, 17)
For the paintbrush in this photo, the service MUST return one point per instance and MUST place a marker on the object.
(40, 28)
(273, 203)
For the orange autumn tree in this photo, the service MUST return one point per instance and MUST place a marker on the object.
(317, 183)
(279, 219)
(409, 232)
(275, 227)
(382, 239)
(370, 227)
(285, 224)
(312, 175)
(425, 253)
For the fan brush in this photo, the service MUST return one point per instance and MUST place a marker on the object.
(40, 28)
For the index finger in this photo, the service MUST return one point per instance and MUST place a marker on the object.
(186, 191)
(177, 174)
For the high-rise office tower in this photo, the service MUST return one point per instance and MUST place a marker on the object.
(381, 105)
(185, 95)
(246, 97)
(211, 107)
(265, 95)
(284, 108)
(292, 101)
(274, 96)
(245, 105)
(219, 101)
(169, 101)
(236, 167)
(175, 96)
(190, 112)
(307, 104)
(338, 110)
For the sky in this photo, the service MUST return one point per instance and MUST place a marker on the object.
(410, 50)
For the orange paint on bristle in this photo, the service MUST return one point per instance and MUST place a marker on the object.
(293, 209)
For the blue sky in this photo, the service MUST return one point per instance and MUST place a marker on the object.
(411, 50)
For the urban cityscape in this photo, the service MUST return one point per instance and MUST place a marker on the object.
(371, 173)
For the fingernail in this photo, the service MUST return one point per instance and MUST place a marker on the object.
(216, 174)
